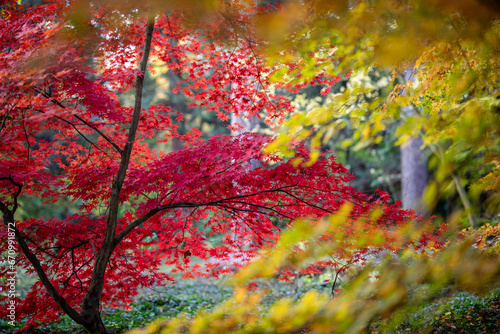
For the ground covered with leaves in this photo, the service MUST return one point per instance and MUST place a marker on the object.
(460, 313)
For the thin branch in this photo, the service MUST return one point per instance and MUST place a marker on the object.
(269, 208)
(16, 194)
(307, 203)
(27, 139)
(74, 267)
(6, 115)
(61, 302)
(76, 129)
(133, 225)
(53, 100)
(337, 273)
(465, 201)
(179, 205)
(118, 149)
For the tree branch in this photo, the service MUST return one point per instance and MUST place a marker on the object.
(179, 205)
(118, 149)
(16, 195)
(9, 222)
(53, 100)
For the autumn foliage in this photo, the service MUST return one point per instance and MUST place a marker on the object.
(64, 133)
(448, 52)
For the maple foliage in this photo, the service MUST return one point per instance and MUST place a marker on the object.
(62, 65)
(221, 193)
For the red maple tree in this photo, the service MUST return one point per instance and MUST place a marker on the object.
(61, 66)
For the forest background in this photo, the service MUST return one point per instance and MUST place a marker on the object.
(419, 74)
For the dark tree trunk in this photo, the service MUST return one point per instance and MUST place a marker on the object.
(90, 305)
(93, 323)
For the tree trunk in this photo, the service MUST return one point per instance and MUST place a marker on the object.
(413, 167)
(90, 305)
(413, 174)
(93, 323)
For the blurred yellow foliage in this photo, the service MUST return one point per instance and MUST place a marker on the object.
(361, 303)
